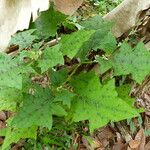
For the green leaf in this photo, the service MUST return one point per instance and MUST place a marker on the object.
(11, 71)
(105, 64)
(48, 21)
(50, 58)
(37, 110)
(108, 44)
(132, 61)
(98, 103)
(65, 96)
(101, 39)
(9, 97)
(96, 23)
(14, 135)
(24, 39)
(123, 93)
(57, 78)
(3, 131)
(73, 42)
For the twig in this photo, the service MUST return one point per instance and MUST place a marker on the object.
(53, 42)
(123, 131)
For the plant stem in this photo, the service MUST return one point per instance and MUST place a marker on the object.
(74, 71)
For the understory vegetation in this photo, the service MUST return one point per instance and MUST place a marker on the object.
(68, 78)
(105, 6)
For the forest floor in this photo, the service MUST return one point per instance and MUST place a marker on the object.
(131, 134)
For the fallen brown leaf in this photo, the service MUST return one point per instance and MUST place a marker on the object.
(141, 138)
(2, 125)
(139, 141)
(147, 146)
(120, 146)
(104, 135)
(2, 116)
(134, 144)
(129, 148)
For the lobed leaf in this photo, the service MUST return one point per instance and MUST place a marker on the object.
(14, 135)
(24, 39)
(95, 23)
(123, 92)
(102, 38)
(57, 78)
(50, 58)
(98, 103)
(37, 110)
(11, 71)
(48, 21)
(132, 61)
(105, 64)
(70, 44)
(65, 96)
(9, 97)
